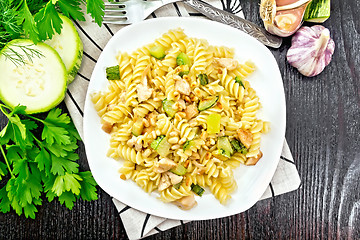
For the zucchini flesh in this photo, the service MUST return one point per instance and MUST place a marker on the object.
(179, 170)
(113, 73)
(182, 59)
(221, 154)
(163, 148)
(155, 144)
(168, 107)
(40, 84)
(197, 189)
(157, 52)
(213, 123)
(224, 143)
(188, 144)
(184, 70)
(207, 103)
(317, 11)
(161, 145)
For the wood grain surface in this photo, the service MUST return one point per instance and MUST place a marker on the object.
(323, 132)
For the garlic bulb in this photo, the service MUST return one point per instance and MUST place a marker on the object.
(311, 50)
(282, 17)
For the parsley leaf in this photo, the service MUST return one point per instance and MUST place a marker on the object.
(43, 160)
(68, 198)
(48, 20)
(5, 203)
(71, 8)
(96, 9)
(88, 186)
(60, 165)
(27, 21)
(67, 182)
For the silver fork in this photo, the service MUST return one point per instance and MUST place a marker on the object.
(131, 11)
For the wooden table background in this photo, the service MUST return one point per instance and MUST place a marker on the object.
(322, 131)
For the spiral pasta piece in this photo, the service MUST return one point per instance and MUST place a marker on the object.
(172, 194)
(130, 154)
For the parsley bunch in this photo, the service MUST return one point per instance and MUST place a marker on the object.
(38, 157)
(39, 19)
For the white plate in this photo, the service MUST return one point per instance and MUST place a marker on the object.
(252, 180)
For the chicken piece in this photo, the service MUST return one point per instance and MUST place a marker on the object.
(186, 203)
(176, 77)
(148, 129)
(254, 160)
(174, 179)
(138, 146)
(228, 63)
(151, 118)
(182, 86)
(191, 111)
(143, 91)
(164, 165)
(182, 105)
(107, 127)
(164, 182)
(245, 137)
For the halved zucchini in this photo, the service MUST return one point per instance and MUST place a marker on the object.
(39, 84)
(69, 46)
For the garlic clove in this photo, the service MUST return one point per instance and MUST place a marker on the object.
(311, 50)
(282, 20)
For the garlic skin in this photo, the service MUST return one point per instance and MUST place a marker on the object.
(311, 50)
(283, 17)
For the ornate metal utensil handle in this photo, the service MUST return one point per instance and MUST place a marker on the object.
(237, 22)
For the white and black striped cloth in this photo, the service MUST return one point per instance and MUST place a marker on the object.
(139, 224)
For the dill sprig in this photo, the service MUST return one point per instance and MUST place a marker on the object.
(9, 27)
(26, 52)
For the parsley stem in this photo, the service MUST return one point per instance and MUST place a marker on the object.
(35, 118)
(2, 106)
(6, 160)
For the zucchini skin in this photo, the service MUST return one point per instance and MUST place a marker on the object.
(318, 11)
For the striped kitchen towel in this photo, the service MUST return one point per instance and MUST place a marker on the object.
(139, 224)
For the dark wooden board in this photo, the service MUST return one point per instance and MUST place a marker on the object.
(322, 131)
